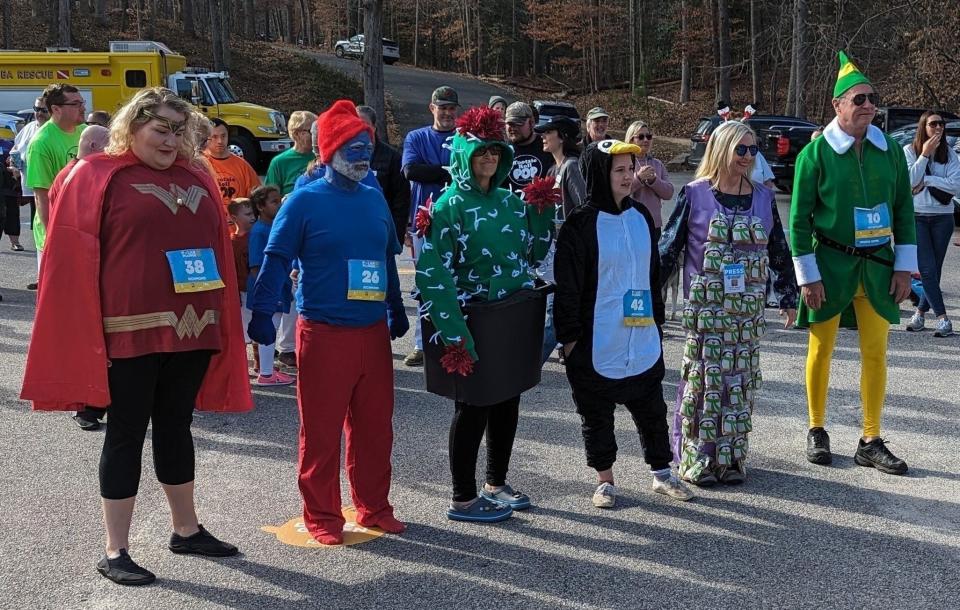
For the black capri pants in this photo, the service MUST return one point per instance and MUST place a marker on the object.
(161, 388)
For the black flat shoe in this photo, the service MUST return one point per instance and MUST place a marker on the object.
(86, 424)
(16, 248)
(201, 543)
(124, 571)
(818, 446)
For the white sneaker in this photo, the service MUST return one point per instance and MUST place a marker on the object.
(944, 328)
(672, 487)
(605, 496)
(916, 322)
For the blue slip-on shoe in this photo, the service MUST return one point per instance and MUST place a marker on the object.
(481, 511)
(507, 495)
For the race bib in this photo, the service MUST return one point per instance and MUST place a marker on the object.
(871, 226)
(194, 270)
(734, 277)
(366, 280)
(637, 308)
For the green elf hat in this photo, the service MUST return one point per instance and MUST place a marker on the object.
(848, 76)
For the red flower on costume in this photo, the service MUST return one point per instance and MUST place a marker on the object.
(456, 359)
(482, 122)
(541, 193)
(424, 217)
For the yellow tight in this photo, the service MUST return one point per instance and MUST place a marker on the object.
(873, 331)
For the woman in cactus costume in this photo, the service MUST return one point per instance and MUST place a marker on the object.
(480, 243)
(729, 232)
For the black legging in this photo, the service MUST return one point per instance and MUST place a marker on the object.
(11, 215)
(466, 430)
(158, 387)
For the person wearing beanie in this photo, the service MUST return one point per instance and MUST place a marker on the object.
(498, 103)
(348, 298)
(854, 248)
(480, 245)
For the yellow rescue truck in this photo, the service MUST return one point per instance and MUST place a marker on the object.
(107, 80)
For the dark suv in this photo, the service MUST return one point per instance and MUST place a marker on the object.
(779, 137)
(547, 110)
(891, 118)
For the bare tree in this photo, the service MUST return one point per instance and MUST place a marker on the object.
(684, 55)
(216, 33)
(726, 59)
(189, 25)
(754, 61)
(7, 25)
(99, 12)
(800, 58)
(373, 94)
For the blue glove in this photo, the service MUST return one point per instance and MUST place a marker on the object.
(261, 328)
(397, 321)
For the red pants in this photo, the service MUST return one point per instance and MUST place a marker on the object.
(345, 384)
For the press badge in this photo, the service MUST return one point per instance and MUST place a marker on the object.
(366, 280)
(637, 308)
(734, 277)
(194, 270)
(871, 226)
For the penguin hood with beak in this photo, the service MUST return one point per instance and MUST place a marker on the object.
(595, 164)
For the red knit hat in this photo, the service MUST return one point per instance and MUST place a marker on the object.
(337, 126)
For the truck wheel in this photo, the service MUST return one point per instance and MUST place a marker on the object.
(244, 146)
(338, 52)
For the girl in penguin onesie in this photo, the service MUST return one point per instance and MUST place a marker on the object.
(608, 311)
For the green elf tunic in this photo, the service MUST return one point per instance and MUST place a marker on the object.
(830, 180)
(479, 246)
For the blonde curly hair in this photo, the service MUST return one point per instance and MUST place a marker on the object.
(136, 113)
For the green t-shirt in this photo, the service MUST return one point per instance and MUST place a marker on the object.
(286, 167)
(50, 151)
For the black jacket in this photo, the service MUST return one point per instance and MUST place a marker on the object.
(396, 190)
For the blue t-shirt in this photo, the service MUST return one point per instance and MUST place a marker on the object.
(325, 228)
(424, 146)
(256, 244)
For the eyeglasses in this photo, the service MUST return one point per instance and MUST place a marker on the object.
(642, 136)
(860, 98)
(493, 151)
(742, 149)
(939, 123)
(38, 109)
(80, 103)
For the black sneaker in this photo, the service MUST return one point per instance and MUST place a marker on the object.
(201, 543)
(124, 571)
(876, 454)
(32, 286)
(87, 421)
(818, 446)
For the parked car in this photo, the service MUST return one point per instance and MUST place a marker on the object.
(890, 118)
(548, 110)
(353, 47)
(780, 139)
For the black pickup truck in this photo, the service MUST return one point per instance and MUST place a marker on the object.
(780, 139)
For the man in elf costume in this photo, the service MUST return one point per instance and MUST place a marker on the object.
(854, 245)
(350, 306)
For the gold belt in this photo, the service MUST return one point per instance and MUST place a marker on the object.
(189, 325)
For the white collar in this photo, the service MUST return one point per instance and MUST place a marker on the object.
(840, 141)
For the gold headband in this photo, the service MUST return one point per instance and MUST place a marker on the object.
(173, 126)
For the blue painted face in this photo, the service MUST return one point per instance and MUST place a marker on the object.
(358, 149)
(351, 162)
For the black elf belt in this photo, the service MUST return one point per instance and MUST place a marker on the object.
(865, 253)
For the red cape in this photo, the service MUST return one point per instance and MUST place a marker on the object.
(67, 360)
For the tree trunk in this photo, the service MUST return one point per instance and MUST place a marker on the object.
(306, 22)
(216, 33)
(249, 20)
(189, 25)
(373, 95)
(7, 26)
(726, 58)
(632, 26)
(416, 34)
(684, 56)
(63, 29)
(99, 12)
(149, 16)
(755, 75)
(715, 23)
(225, 34)
(799, 45)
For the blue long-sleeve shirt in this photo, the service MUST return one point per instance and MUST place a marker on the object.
(324, 228)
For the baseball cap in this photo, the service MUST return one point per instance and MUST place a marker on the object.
(565, 126)
(596, 112)
(518, 112)
(444, 96)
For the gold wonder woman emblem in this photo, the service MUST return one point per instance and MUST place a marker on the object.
(176, 197)
(189, 325)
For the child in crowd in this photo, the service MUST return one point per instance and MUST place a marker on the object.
(242, 217)
(266, 203)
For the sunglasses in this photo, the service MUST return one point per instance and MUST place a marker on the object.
(860, 98)
(493, 151)
(742, 149)
(643, 136)
(81, 103)
(939, 123)
(39, 109)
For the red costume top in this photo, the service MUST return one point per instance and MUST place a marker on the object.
(68, 356)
